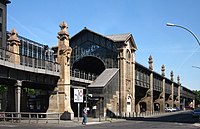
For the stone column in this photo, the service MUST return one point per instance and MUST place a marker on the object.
(193, 104)
(122, 90)
(64, 54)
(133, 79)
(184, 103)
(178, 98)
(172, 94)
(150, 104)
(14, 43)
(63, 86)
(18, 86)
(162, 106)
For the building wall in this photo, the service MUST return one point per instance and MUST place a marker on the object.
(3, 12)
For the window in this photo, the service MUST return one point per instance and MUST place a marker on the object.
(0, 27)
(128, 55)
(1, 42)
(1, 12)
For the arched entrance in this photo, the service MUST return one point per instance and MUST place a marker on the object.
(156, 107)
(143, 106)
(129, 104)
(89, 64)
(174, 105)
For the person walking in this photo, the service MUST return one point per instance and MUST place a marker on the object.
(84, 116)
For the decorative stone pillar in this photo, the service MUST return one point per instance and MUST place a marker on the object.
(178, 98)
(18, 86)
(162, 106)
(14, 43)
(172, 93)
(133, 79)
(63, 86)
(150, 104)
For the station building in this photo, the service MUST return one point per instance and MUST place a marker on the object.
(122, 86)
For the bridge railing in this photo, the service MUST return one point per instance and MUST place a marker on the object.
(29, 117)
(18, 59)
(83, 75)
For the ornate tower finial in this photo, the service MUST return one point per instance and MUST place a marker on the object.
(13, 39)
(63, 34)
(172, 75)
(178, 79)
(151, 63)
(163, 70)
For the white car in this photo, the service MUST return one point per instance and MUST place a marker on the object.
(170, 109)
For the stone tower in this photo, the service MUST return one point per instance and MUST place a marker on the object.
(61, 100)
(14, 43)
(126, 62)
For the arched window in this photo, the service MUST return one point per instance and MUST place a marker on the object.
(1, 12)
(128, 55)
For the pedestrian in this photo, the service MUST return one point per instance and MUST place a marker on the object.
(84, 116)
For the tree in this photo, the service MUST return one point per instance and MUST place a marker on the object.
(3, 89)
(197, 97)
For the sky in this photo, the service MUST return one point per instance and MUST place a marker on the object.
(174, 47)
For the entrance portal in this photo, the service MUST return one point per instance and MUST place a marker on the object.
(129, 106)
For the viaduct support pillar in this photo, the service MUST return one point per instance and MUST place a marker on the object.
(18, 86)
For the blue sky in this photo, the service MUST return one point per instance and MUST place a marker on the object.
(174, 47)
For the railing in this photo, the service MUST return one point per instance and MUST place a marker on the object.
(18, 59)
(83, 75)
(146, 114)
(29, 117)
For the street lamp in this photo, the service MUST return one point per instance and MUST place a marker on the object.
(196, 67)
(174, 25)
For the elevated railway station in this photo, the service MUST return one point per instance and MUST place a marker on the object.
(37, 78)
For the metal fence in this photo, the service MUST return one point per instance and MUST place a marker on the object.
(83, 75)
(29, 117)
(28, 61)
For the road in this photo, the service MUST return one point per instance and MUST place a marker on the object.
(181, 120)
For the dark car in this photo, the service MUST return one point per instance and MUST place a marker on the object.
(196, 113)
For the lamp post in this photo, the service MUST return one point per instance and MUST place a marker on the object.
(174, 25)
(196, 67)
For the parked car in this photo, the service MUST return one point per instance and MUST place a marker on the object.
(177, 109)
(196, 112)
(170, 109)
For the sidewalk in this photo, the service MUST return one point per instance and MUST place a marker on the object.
(63, 123)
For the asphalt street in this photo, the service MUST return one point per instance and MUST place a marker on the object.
(180, 120)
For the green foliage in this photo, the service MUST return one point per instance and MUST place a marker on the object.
(3, 89)
(30, 91)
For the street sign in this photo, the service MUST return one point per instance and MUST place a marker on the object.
(78, 95)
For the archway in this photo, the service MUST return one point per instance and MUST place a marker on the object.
(129, 104)
(89, 64)
(156, 107)
(143, 106)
